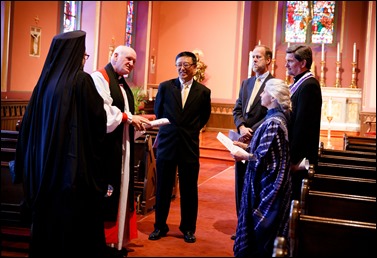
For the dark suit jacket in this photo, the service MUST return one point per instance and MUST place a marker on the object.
(180, 138)
(305, 124)
(257, 111)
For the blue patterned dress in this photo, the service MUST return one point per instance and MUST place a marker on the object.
(266, 196)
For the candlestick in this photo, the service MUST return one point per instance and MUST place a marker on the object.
(338, 53)
(329, 145)
(354, 53)
(337, 75)
(273, 50)
(353, 80)
(273, 66)
(323, 52)
(322, 78)
(329, 108)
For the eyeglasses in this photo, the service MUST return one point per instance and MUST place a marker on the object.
(86, 56)
(185, 65)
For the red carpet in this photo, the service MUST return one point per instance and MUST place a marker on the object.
(216, 221)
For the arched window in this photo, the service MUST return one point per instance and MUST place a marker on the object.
(310, 22)
(130, 29)
(130, 23)
(70, 16)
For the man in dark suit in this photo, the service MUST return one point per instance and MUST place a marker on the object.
(178, 144)
(306, 96)
(248, 112)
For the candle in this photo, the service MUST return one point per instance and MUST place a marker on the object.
(289, 44)
(354, 53)
(323, 52)
(338, 53)
(273, 50)
(329, 111)
(259, 43)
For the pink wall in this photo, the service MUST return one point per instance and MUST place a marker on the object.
(213, 27)
(88, 24)
(197, 25)
(112, 25)
(24, 70)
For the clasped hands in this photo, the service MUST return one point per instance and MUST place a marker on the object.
(139, 122)
(246, 134)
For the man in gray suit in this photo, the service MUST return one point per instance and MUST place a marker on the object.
(248, 111)
(187, 105)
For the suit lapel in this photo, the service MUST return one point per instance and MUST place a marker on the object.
(257, 97)
(176, 89)
(192, 94)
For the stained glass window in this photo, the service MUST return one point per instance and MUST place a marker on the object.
(309, 21)
(323, 21)
(130, 23)
(71, 18)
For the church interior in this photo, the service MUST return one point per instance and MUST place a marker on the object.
(222, 34)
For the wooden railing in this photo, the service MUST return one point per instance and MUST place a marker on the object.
(221, 117)
(12, 111)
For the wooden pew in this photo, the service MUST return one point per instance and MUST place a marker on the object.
(11, 194)
(346, 170)
(346, 160)
(317, 236)
(15, 219)
(9, 134)
(345, 153)
(145, 175)
(359, 143)
(280, 247)
(337, 205)
(11, 199)
(342, 184)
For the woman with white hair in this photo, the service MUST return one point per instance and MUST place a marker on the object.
(266, 195)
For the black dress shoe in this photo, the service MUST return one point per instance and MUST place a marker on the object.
(233, 237)
(158, 233)
(189, 237)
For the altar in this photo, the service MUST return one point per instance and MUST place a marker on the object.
(344, 106)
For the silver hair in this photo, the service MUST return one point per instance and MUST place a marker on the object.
(280, 91)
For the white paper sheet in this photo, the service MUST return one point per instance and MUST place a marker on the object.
(228, 143)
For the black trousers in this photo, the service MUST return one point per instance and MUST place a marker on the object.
(188, 188)
(240, 170)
